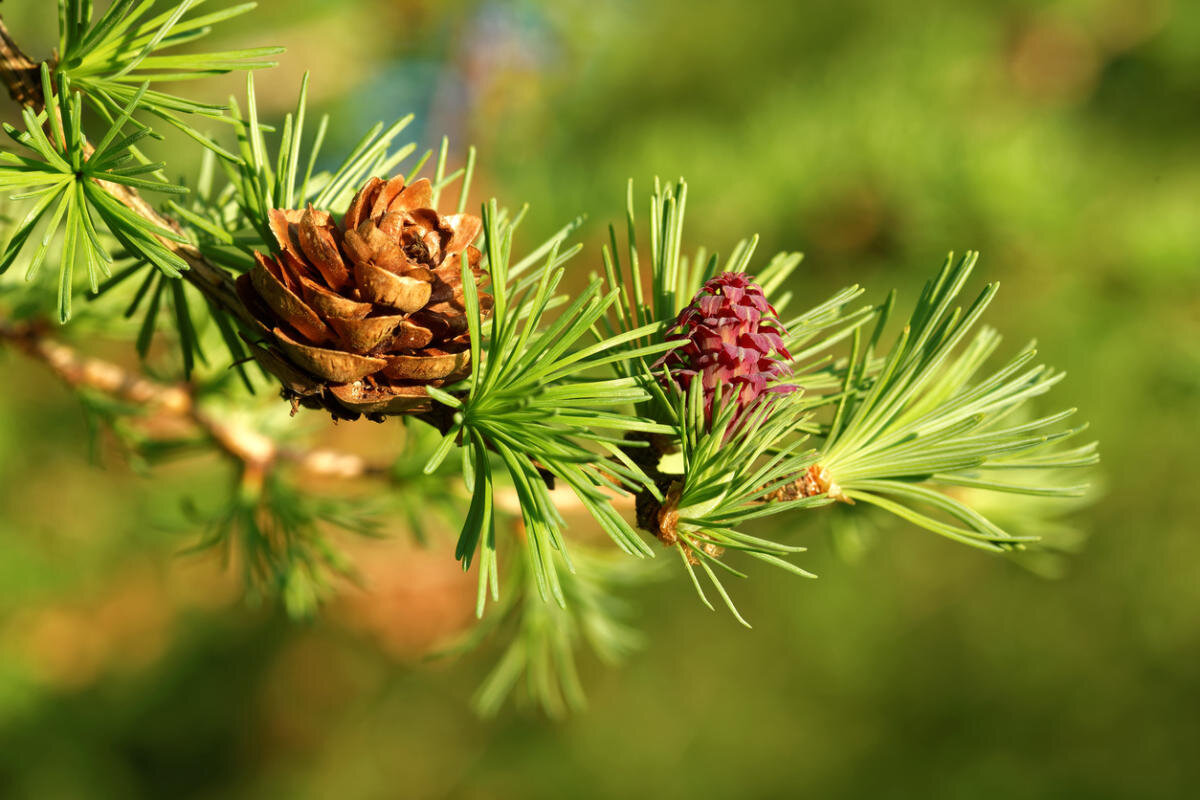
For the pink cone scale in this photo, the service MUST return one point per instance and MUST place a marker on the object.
(734, 340)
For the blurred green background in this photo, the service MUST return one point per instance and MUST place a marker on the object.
(1060, 138)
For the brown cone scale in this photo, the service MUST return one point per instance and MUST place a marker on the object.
(359, 318)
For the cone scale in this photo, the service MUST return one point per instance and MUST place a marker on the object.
(361, 317)
(734, 341)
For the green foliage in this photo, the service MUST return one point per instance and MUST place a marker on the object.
(263, 183)
(429, 502)
(730, 470)
(64, 180)
(543, 638)
(111, 56)
(278, 537)
(529, 401)
(925, 422)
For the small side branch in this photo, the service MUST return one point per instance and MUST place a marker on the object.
(661, 519)
(19, 72)
(20, 76)
(252, 448)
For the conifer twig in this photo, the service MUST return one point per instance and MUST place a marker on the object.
(177, 401)
(18, 70)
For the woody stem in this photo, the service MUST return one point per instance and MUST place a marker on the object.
(176, 401)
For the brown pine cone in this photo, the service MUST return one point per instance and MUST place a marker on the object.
(359, 319)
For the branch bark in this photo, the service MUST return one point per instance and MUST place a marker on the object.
(254, 449)
(18, 71)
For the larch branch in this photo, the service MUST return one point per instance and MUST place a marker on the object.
(19, 73)
(251, 447)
